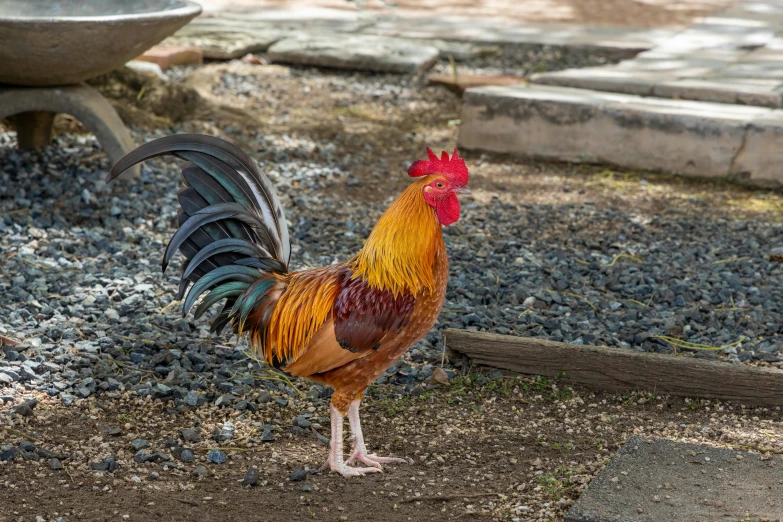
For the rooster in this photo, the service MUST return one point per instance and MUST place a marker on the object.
(341, 325)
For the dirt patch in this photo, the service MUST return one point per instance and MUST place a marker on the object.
(145, 99)
(502, 448)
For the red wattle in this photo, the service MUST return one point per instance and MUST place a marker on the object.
(448, 211)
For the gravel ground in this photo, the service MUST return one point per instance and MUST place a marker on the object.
(80, 261)
(568, 253)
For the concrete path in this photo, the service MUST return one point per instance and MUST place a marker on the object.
(618, 13)
(733, 57)
(657, 480)
(233, 33)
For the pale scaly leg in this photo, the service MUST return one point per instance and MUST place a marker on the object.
(359, 449)
(335, 461)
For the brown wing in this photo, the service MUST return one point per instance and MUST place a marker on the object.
(361, 320)
(323, 353)
(364, 316)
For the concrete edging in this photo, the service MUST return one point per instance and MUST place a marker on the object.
(693, 138)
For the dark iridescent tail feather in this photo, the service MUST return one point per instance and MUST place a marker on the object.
(232, 228)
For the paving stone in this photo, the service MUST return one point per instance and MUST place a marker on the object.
(769, 71)
(652, 480)
(702, 63)
(723, 56)
(225, 43)
(488, 31)
(762, 93)
(679, 68)
(609, 79)
(357, 52)
(685, 137)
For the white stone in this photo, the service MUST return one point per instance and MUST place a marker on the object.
(358, 52)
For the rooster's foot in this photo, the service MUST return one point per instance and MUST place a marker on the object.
(373, 460)
(343, 469)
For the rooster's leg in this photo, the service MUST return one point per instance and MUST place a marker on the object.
(359, 449)
(335, 461)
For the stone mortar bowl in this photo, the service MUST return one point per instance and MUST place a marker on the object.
(59, 42)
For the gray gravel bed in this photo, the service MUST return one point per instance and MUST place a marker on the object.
(81, 283)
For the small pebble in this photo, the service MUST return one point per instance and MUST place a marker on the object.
(251, 477)
(216, 456)
(298, 475)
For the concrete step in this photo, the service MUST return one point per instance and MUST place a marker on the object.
(682, 81)
(704, 139)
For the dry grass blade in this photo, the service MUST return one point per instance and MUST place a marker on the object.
(624, 256)
(168, 306)
(729, 260)
(271, 375)
(9, 341)
(687, 345)
(572, 294)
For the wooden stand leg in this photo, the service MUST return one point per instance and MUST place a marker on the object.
(34, 129)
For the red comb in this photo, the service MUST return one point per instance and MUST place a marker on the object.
(453, 168)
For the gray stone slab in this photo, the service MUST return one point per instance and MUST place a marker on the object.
(611, 79)
(760, 160)
(358, 52)
(501, 32)
(685, 66)
(225, 43)
(755, 70)
(761, 93)
(661, 480)
(684, 137)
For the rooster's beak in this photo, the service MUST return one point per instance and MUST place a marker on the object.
(462, 190)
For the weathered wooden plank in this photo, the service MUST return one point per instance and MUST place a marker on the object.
(618, 370)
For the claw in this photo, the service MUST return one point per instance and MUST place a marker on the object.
(372, 459)
(349, 471)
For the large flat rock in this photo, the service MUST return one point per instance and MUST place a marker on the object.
(656, 480)
(579, 125)
(225, 43)
(357, 52)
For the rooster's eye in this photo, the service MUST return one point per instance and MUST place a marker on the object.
(439, 184)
